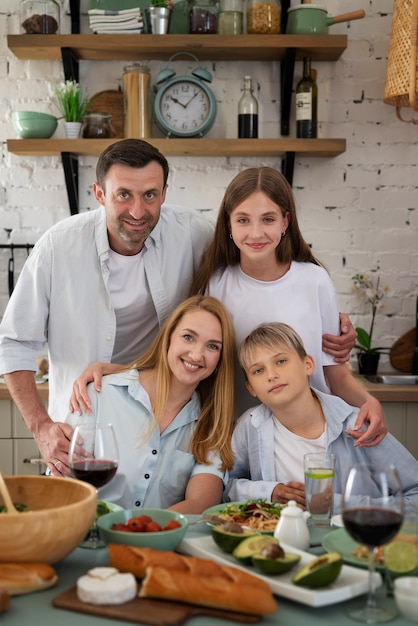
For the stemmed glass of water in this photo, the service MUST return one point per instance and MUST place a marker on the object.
(93, 457)
(372, 512)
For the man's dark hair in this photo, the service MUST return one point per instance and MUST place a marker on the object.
(131, 152)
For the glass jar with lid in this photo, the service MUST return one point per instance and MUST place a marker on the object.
(263, 17)
(137, 101)
(203, 17)
(231, 17)
(97, 125)
(40, 17)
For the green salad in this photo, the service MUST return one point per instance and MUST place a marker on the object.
(256, 514)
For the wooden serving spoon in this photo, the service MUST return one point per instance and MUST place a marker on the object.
(6, 496)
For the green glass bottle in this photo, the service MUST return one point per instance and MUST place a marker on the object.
(306, 104)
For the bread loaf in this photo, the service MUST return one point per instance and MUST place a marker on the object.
(4, 600)
(211, 591)
(136, 560)
(19, 578)
(171, 576)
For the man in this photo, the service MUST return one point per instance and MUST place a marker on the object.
(97, 286)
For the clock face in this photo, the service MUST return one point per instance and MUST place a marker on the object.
(185, 107)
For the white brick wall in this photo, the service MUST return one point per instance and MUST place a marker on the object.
(359, 210)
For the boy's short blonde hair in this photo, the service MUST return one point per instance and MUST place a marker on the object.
(269, 335)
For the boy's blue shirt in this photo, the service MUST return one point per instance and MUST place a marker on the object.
(254, 474)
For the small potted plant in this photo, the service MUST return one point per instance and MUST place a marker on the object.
(158, 16)
(72, 105)
(368, 356)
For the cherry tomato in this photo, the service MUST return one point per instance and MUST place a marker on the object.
(172, 524)
(144, 518)
(136, 525)
(153, 527)
(119, 526)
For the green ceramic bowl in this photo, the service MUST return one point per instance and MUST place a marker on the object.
(34, 125)
(162, 540)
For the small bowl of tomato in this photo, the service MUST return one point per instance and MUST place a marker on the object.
(146, 528)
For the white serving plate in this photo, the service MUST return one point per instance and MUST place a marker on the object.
(351, 582)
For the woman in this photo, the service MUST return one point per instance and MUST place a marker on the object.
(172, 412)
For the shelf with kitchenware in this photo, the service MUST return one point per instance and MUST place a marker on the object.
(285, 49)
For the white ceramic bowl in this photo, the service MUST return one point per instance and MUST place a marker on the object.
(406, 596)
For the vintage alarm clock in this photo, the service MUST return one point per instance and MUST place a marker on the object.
(184, 106)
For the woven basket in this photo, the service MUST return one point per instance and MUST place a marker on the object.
(402, 69)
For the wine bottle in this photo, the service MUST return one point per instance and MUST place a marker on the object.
(247, 112)
(306, 103)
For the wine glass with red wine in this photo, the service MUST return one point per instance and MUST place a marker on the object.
(93, 457)
(372, 512)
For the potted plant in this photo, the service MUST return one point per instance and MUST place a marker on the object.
(72, 105)
(158, 16)
(367, 355)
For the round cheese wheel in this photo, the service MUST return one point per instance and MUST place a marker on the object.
(106, 585)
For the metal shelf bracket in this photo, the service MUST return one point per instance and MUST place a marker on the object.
(70, 167)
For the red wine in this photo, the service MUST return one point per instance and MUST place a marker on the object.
(372, 526)
(96, 472)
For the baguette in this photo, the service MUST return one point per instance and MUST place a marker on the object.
(210, 591)
(4, 600)
(136, 560)
(19, 578)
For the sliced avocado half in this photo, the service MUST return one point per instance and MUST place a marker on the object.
(251, 546)
(228, 540)
(275, 566)
(320, 572)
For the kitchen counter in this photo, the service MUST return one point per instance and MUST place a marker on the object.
(391, 393)
(25, 608)
(5, 395)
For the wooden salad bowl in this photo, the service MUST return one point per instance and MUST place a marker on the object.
(58, 515)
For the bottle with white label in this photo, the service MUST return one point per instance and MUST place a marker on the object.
(306, 103)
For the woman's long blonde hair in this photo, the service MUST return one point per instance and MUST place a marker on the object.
(215, 422)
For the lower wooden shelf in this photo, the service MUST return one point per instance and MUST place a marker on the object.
(186, 147)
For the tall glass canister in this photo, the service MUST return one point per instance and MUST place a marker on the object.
(137, 105)
(231, 17)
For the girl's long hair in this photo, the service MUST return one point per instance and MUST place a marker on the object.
(222, 252)
(215, 422)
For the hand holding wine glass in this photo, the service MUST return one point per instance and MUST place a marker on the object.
(372, 512)
(93, 457)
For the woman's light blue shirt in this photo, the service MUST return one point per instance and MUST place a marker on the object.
(154, 468)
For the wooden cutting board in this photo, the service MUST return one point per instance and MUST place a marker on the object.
(402, 352)
(148, 611)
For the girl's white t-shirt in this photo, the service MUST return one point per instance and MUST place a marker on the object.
(305, 298)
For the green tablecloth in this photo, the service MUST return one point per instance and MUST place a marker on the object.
(36, 608)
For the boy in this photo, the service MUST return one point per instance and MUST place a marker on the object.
(270, 440)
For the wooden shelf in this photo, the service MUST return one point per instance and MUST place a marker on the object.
(186, 147)
(286, 49)
(205, 47)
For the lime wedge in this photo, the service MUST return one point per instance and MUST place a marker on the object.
(320, 474)
(400, 557)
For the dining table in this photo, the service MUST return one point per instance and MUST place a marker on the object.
(38, 607)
